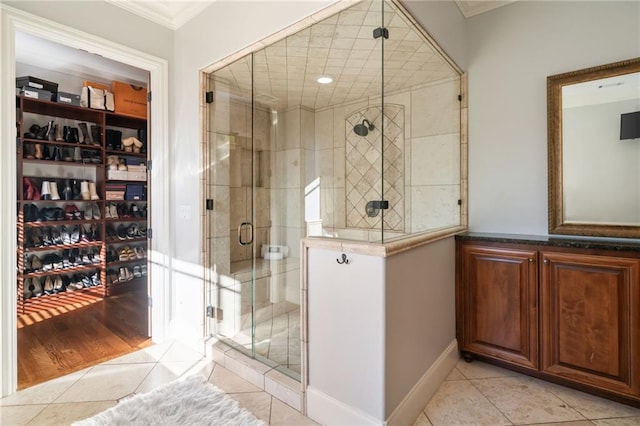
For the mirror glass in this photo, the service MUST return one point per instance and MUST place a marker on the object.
(594, 151)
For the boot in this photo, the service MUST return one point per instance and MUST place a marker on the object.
(29, 151)
(71, 135)
(37, 154)
(45, 193)
(67, 154)
(77, 154)
(60, 133)
(46, 153)
(66, 133)
(86, 137)
(92, 191)
(67, 193)
(42, 133)
(142, 135)
(51, 131)
(75, 134)
(76, 188)
(30, 190)
(56, 156)
(96, 134)
(84, 190)
(53, 187)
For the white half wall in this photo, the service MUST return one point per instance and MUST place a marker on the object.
(511, 51)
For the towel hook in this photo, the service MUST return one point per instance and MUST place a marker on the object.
(344, 259)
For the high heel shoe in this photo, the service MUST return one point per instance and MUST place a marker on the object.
(26, 288)
(36, 285)
(48, 285)
(57, 284)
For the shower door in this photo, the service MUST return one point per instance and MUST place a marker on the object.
(253, 280)
(229, 203)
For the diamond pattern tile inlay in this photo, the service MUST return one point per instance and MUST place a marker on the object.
(367, 178)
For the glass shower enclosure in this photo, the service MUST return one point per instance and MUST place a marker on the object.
(349, 129)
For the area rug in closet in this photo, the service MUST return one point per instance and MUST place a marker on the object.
(188, 401)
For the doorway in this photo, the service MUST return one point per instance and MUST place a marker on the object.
(14, 22)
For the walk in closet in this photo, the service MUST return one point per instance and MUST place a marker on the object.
(82, 215)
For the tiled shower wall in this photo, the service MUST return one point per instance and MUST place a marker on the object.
(431, 157)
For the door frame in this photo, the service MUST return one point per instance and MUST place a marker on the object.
(11, 21)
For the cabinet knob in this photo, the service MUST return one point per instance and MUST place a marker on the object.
(530, 260)
(546, 261)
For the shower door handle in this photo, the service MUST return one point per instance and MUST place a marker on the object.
(245, 225)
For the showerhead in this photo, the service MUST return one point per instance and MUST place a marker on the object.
(362, 129)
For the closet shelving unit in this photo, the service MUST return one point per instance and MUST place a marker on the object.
(34, 111)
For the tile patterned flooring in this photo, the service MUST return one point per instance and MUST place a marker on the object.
(475, 393)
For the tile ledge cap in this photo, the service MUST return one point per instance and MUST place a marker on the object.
(379, 249)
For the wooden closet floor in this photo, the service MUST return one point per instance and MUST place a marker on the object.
(60, 345)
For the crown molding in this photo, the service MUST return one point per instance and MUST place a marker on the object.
(471, 8)
(170, 14)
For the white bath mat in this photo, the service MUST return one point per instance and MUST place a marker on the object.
(188, 401)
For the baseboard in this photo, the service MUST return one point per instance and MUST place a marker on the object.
(329, 411)
(410, 407)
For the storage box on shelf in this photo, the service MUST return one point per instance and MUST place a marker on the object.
(62, 207)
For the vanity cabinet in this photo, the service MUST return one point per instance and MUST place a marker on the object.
(590, 320)
(559, 309)
(498, 287)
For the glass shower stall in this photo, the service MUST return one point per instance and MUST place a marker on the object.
(350, 129)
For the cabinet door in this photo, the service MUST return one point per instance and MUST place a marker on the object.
(590, 310)
(497, 308)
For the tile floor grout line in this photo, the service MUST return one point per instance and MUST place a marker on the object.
(488, 399)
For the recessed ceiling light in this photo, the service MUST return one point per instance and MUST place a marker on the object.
(324, 79)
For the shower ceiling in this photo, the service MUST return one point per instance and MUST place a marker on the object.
(342, 46)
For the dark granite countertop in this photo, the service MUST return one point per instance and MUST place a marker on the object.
(570, 241)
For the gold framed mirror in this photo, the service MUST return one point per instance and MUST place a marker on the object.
(594, 151)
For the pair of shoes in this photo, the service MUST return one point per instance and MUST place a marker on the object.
(137, 271)
(141, 252)
(30, 213)
(71, 212)
(125, 274)
(33, 237)
(131, 144)
(32, 287)
(125, 253)
(111, 211)
(32, 264)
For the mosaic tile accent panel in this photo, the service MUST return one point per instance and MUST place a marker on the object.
(365, 174)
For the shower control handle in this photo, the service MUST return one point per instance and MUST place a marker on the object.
(245, 225)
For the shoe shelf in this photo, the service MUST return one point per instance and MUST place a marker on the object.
(59, 302)
(48, 130)
(80, 245)
(122, 153)
(59, 110)
(127, 241)
(63, 271)
(117, 263)
(62, 163)
(127, 219)
(61, 222)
